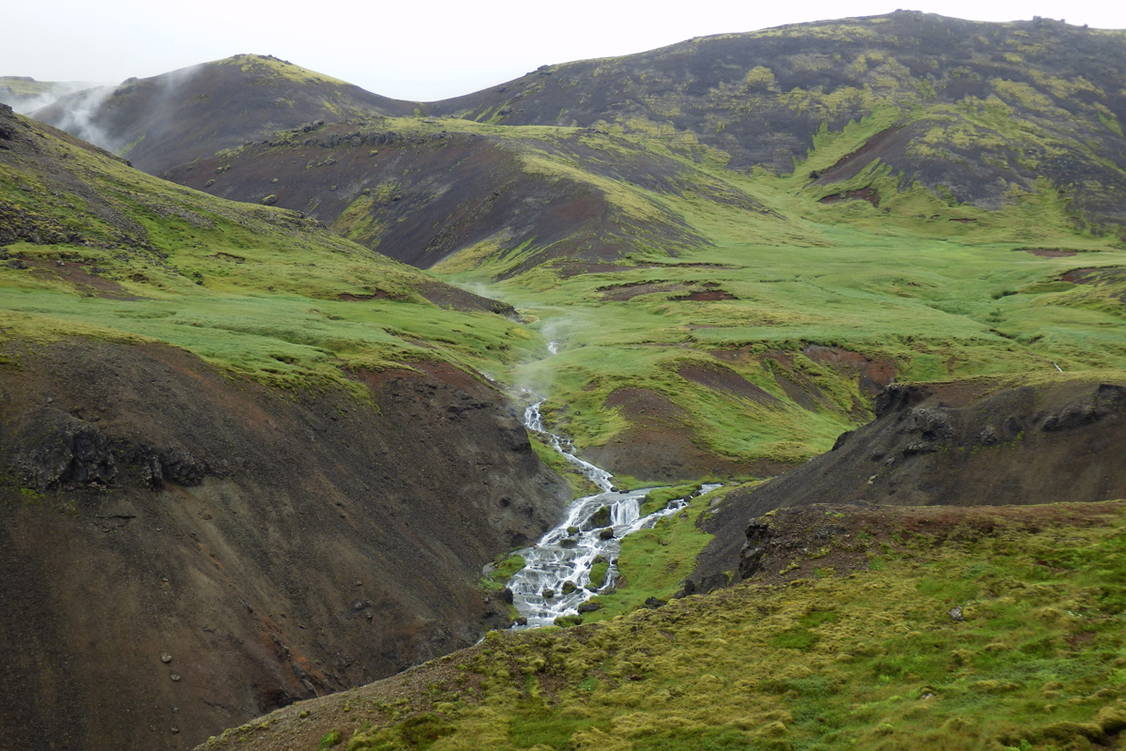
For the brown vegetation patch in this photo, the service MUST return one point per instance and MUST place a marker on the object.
(1095, 275)
(724, 379)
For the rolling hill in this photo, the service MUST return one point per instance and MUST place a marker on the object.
(879, 260)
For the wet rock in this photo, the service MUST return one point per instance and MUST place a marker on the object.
(507, 595)
(569, 587)
(754, 550)
(606, 534)
(589, 607)
(568, 542)
(572, 531)
(568, 620)
(521, 621)
(653, 603)
(548, 594)
(600, 518)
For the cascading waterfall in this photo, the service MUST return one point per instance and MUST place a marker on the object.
(556, 577)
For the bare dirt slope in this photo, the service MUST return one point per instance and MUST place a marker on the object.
(180, 551)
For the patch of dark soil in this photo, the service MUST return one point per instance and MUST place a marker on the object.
(1096, 275)
(871, 195)
(724, 379)
(884, 145)
(448, 296)
(630, 290)
(959, 444)
(85, 279)
(872, 375)
(273, 546)
(1051, 252)
(377, 294)
(658, 445)
(706, 295)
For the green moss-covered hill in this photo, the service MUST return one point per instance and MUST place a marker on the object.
(951, 629)
(975, 109)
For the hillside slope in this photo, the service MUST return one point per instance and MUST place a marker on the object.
(241, 426)
(974, 110)
(172, 118)
(922, 628)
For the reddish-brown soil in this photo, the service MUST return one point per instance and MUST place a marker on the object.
(274, 546)
(872, 375)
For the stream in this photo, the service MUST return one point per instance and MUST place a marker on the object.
(556, 577)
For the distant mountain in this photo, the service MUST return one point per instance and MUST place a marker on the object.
(176, 117)
(24, 94)
(974, 109)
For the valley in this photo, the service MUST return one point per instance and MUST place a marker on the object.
(829, 318)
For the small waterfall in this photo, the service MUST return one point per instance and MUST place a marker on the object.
(557, 576)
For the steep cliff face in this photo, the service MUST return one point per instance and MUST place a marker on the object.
(955, 444)
(212, 549)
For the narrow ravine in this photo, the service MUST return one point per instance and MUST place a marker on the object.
(556, 579)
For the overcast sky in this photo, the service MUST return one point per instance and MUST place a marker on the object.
(420, 49)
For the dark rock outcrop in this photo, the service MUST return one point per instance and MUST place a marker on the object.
(958, 444)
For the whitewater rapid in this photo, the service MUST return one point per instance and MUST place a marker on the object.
(557, 576)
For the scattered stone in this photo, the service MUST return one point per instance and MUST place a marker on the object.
(548, 594)
(568, 587)
(589, 607)
(572, 531)
(175, 677)
(956, 613)
(653, 603)
(165, 658)
(521, 621)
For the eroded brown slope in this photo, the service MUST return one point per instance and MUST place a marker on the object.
(957, 444)
(271, 546)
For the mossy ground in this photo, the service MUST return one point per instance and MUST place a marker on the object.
(870, 659)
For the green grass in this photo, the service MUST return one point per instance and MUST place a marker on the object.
(256, 291)
(654, 562)
(868, 660)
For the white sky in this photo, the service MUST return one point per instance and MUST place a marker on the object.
(417, 49)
